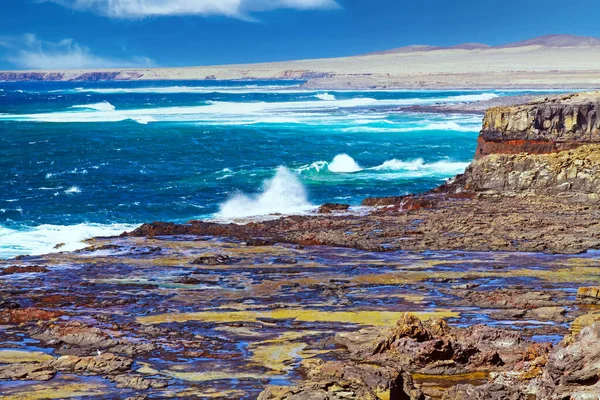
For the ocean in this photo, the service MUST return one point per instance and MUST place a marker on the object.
(79, 160)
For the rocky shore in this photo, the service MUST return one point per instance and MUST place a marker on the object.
(483, 288)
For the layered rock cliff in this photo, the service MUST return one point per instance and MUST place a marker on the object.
(546, 125)
(550, 146)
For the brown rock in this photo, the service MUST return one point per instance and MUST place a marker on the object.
(102, 364)
(27, 371)
(330, 207)
(31, 314)
(15, 269)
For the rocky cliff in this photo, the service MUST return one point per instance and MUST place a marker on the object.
(550, 146)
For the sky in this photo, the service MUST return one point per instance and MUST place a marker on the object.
(48, 34)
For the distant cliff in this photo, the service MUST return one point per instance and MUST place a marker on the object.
(550, 146)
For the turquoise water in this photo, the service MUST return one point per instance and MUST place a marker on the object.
(78, 160)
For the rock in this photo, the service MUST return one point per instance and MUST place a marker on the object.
(75, 333)
(137, 382)
(188, 280)
(24, 315)
(26, 371)
(330, 207)
(572, 368)
(542, 126)
(584, 321)
(15, 269)
(588, 294)
(219, 259)
(343, 380)
(102, 364)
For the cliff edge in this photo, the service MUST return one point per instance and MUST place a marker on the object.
(550, 146)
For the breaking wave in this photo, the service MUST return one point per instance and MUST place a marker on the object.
(443, 167)
(343, 163)
(283, 194)
(102, 106)
(43, 239)
(231, 112)
(325, 96)
(394, 168)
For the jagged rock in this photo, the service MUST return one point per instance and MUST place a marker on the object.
(102, 364)
(341, 380)
(543, 126)
(219, 259)
(75, 334)
(137, 382)
(24, 315)
(573, 367)
(27, 371)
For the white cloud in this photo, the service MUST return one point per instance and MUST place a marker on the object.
(29, 52)
(133, 9)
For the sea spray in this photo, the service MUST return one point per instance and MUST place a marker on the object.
(284, 193)
(344, 163)
(44, 239)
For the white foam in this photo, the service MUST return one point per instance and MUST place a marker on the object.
(284, 194)
(325, 96)
(451, 126)
(231, 112)
(42, 239)
(418, 167)
(73, 190)
(102, 106)
(343, 163)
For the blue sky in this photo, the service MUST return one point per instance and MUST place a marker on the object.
(128, 33)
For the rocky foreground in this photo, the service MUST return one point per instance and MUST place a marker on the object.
(484, 288)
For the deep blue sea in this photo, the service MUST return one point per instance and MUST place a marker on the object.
(87, 159)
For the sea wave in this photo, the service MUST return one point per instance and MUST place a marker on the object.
(394, 168)
(42, 239)
(102, 106)
(343, 163)
(227, 112)
(325, 96)
(284, 194)
(419, 165)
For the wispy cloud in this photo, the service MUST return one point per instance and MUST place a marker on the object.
(29, 52)
(136, 9)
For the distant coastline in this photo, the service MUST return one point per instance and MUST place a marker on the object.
(543, 63)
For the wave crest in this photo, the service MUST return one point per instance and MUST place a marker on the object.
(284, 193)
(102, 106)
(325, 97)
(343, 163)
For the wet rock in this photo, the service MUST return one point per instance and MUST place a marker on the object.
(259, 242)
(341, 380)
(219, 259)
(24, 315)
(137, 382)
(188, 280)
(26, 371)
(102, 364)
(75, 333)
(328, 208)
(16, 269)
(9, 305)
